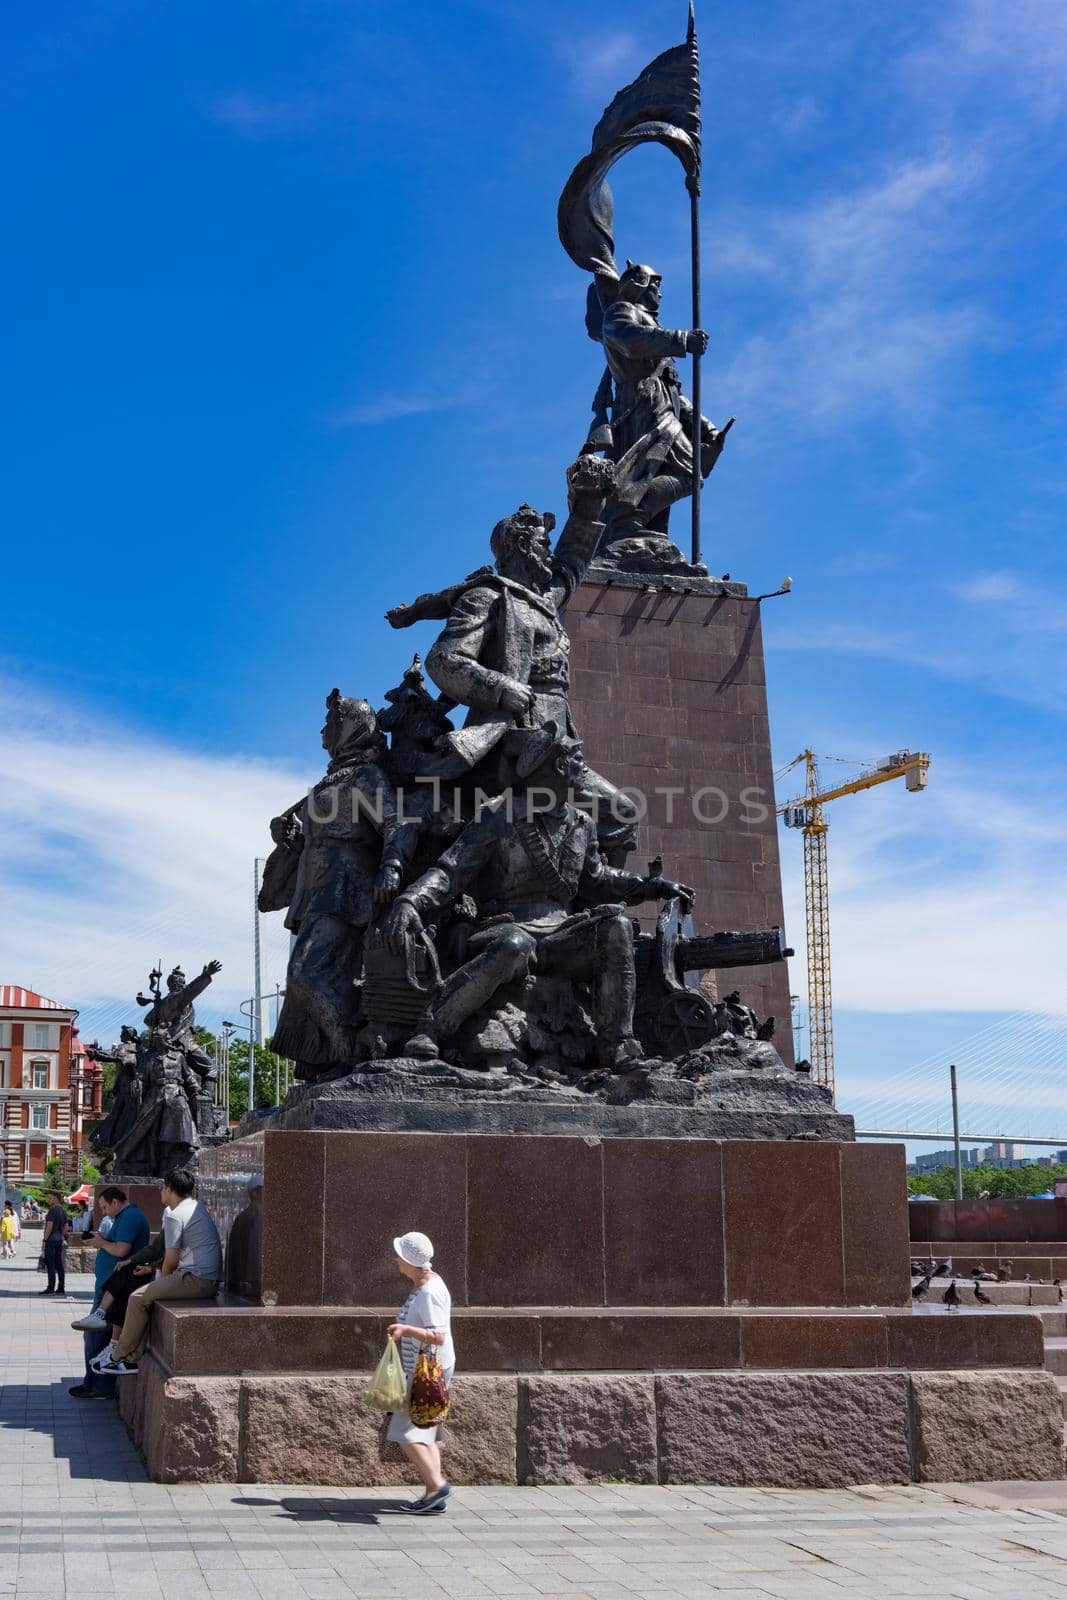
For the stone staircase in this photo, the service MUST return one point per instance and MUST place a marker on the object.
(1055, 1326)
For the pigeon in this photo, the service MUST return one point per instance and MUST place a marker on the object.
(944, 1270)
(982, 1299)
(916, 1269)
(1056, 1284)
(952, 1296)
(921, 1290)
(1027, 1278)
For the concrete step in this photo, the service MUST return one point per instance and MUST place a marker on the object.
(1056, 1356)
(1061, 1384)
(1055, 1322)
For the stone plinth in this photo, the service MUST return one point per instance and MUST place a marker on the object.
(654, 1310)
(668, 690)
(541, 1221)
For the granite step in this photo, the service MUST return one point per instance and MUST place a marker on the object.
(1061, 1384)
(1056, 1356)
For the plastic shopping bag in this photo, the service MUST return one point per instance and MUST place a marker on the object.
(430, 1399)
(388, 1389)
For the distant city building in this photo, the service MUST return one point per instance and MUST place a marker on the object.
(41, 1058)
(1004, 1154)
(945, 1158)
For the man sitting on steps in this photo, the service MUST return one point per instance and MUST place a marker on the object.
(191, 1270)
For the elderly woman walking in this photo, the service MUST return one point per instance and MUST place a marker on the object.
(423, 1320)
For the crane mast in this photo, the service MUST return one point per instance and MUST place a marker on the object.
(807, 814)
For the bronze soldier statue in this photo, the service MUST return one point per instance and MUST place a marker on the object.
(126, 1096)
(648, 435)
(528, 861)
(339, 856)
(504, 652)
(164, 1134)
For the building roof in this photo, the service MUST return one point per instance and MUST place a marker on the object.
(13, 995)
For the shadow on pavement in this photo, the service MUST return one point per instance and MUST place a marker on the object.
(318, 1509)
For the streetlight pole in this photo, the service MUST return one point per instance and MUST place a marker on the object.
(956, 1132)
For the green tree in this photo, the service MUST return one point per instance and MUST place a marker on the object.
(1000, 1183)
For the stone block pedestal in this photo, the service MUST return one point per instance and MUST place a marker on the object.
(646, 1310)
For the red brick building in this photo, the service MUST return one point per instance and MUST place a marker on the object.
(41, 1059)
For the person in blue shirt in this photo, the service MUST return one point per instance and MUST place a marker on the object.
(128, 1234)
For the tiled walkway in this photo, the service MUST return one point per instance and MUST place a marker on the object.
(79, 1521)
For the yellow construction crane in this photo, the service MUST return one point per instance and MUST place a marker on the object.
(806, 813)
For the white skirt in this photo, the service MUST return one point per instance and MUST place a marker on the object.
(402, 1430)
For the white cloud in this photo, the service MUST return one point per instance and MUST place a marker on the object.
(1001, 57)
(945, 900)
(255, 115)
(870, 319)
(122, 850)
(603, 64)
(1023, 631)
(992, 586)
(391, 407)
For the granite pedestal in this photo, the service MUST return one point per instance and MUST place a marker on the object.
(669, 693)
(657, 1310)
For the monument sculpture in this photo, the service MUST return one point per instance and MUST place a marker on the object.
(163, 1110)
(650, 1289)
(459, 896)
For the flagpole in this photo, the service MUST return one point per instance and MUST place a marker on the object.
(693, 185)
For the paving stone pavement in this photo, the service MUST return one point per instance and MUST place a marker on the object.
(80, 1521)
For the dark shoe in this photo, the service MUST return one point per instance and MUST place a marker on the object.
(433, 1502)
(80, 1392)
(45, 1291)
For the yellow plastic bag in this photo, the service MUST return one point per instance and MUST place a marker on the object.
(388, 1389)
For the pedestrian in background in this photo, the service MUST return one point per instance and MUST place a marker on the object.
(9, 1231)
(425, 1319)
(56, 1228)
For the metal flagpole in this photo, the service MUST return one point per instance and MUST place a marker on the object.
(693, 185)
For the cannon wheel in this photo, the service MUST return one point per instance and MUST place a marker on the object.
(684, 1022)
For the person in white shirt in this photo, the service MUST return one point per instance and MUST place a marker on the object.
(425, 1319)
(191, 1270)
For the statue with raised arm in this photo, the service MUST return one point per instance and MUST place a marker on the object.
(642, 420)
(505, 655)
(173, 1014)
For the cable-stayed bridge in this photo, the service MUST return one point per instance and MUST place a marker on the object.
(1012, 1088)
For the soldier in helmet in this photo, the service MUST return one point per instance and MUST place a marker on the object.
(649, 436)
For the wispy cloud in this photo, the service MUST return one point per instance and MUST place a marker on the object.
(935, 898)
(254, 116)
(999, 56)
(1022, 626)
(391, 407)
(120, 850)
(600, 65)
(863, 322)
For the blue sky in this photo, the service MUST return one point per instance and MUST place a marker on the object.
(289, 328)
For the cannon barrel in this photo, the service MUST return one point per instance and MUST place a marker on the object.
(756, 949)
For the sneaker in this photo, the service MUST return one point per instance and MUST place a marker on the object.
(107, 1366)
(433, 1502)
(105, 1354)
(93, 1323)
(80, 1392)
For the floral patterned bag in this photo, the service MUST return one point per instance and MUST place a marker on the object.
(430, 1400)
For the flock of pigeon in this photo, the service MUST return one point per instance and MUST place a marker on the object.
(922, 1274)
